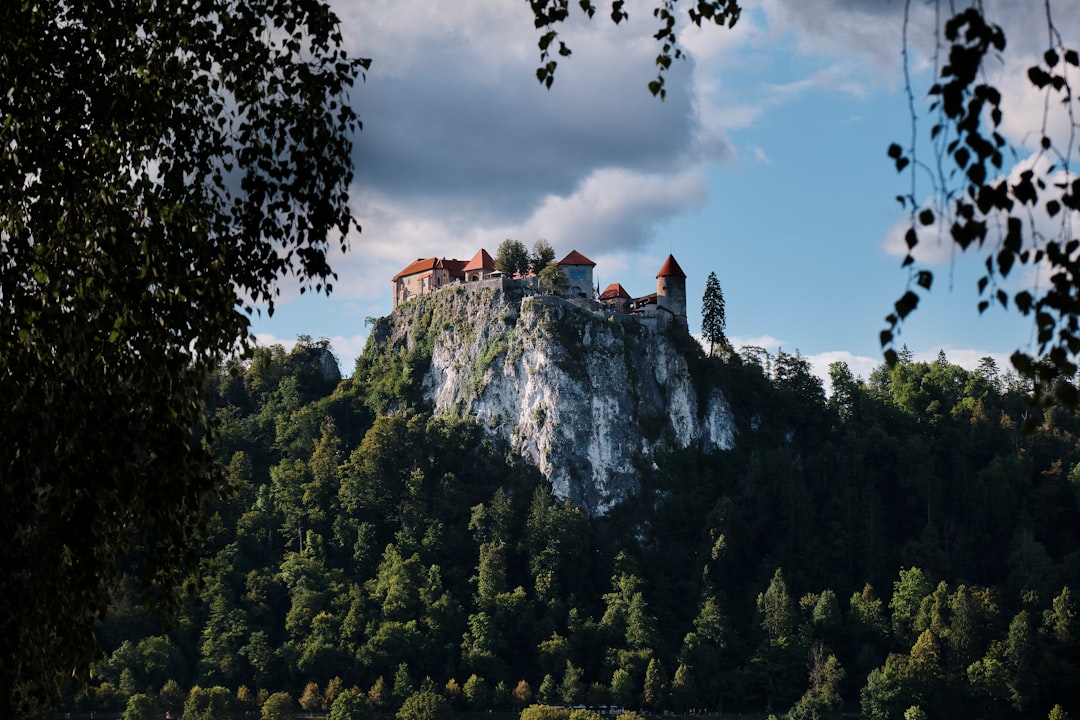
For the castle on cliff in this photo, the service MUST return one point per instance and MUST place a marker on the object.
(666, 305)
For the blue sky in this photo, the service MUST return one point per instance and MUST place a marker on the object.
(766, 164)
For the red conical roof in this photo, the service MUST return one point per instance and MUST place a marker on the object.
(480, 261)
(671, 269)
(576, 258)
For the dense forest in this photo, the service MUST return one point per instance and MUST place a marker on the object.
(904, 547)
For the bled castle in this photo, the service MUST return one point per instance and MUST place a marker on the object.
(657, 309)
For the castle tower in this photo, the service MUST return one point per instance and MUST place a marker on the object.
(579, 273)
(671, 290)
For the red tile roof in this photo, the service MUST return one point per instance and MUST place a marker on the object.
(614, 291)
(576, 258)
(671, 269)
(480, 261)
(454, 267)
(420, 265)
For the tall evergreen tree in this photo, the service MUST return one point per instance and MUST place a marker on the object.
(713, 316)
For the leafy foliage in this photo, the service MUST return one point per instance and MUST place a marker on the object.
(1019, 220)
(425, 705)
(429, 560)
(548, 15)
(553, 279)
(512, 258)
(163, 164)
(542, 255)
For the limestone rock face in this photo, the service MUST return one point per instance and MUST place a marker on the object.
(585, 396)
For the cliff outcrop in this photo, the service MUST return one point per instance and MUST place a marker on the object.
(585, 397)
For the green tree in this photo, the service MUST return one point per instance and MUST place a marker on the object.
(881, 697)
(572, 689)
(512, 258)
(683, 691)
(542, 256)
(544, 712)
(1020, 657)
(584, 714)
(278, 706)
(380, 696)
(403, 683)
(823, 694)
(655, 691)
(425, 705)
(776, 608)
(553, 279)
(213, 703)
(714, 316)
(1063, 619)
(141, 707)
(908, 594)
(168, 164)
(1058, 713)
(623, 692)
(548, 692)
(477, 693)
(350, 705)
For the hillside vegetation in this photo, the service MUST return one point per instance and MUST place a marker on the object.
(898, 544)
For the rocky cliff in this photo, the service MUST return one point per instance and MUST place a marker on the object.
(585, 396)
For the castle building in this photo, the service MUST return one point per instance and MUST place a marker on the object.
(671, 290)
(666, 305)
(579, 273)
(426, 275)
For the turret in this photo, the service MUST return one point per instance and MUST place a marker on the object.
(671, 290)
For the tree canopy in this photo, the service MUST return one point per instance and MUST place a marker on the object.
(922, 542)
(553, 279)
(542, 255)
(512, 258)
(163, 165)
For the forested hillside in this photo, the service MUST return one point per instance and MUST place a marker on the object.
(901, 543)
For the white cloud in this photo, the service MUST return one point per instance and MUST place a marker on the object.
(268, 340)
(613, 209)
(860, 365)
(768, 342)
(612, 213)
(935, 246)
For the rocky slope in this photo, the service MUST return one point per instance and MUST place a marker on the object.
(585, 396)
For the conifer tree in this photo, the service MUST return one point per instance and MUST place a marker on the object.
(713, 316)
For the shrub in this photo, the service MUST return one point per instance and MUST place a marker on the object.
(545, 712)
